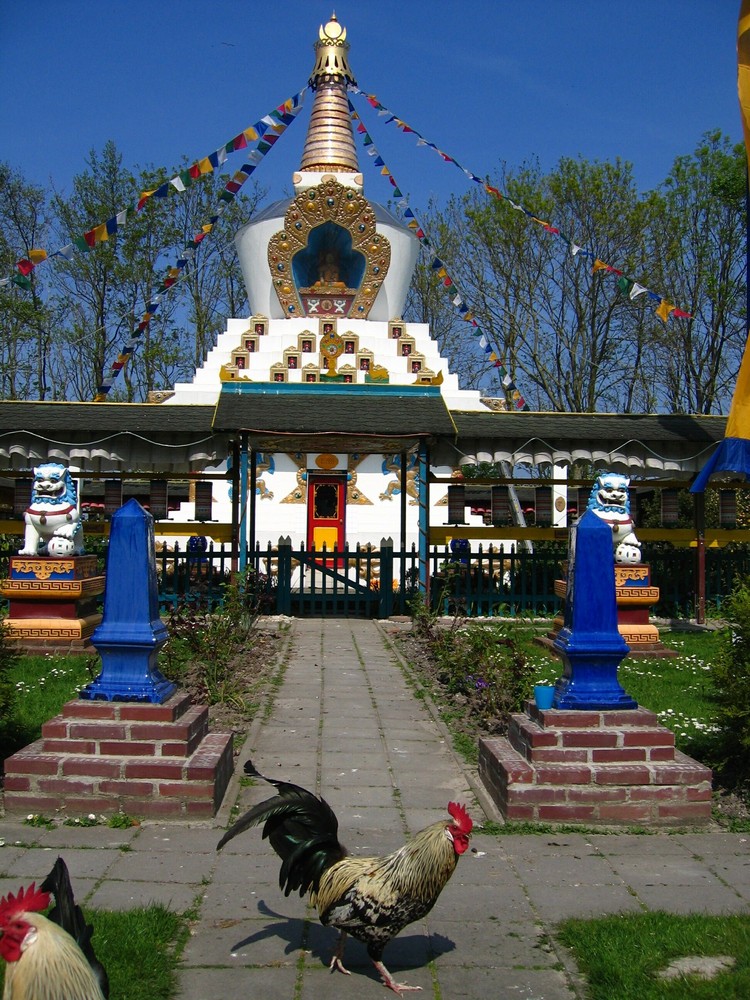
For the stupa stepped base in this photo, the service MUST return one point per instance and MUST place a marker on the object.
(146, 760)
(608, 768)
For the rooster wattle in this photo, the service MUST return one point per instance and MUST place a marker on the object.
(370, 898)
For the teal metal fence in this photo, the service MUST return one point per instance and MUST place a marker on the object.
(368, 582)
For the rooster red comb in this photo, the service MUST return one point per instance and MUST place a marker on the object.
(460, 817)
(27, 901)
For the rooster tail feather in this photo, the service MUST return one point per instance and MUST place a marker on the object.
(301, 828)
(302, 868)
(66, 913)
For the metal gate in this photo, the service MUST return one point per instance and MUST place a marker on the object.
(348, 582)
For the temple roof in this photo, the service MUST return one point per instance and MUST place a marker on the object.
(338, 420)
(638, 443)
(147, 437)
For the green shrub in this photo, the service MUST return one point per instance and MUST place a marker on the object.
(489, 665)
(202, 646)
(731, 685)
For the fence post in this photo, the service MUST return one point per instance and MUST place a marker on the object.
(284, 589)
(386, 578)
(700, 553)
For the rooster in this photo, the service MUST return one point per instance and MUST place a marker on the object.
(370, 898)
(48, 957)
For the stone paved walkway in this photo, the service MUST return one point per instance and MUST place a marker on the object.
(345, 722)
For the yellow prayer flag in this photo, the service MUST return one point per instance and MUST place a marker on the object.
(37, 256)
(100, 233)
(250, 134)
(205, 165)
(664, 309)
(207, 228)
(743, 70)
(598, 266)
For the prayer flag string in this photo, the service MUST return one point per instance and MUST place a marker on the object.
(628, 286)
(281, 118)
(267, 130)
(438, 266)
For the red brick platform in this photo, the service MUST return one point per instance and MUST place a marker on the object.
(596, 768)
(133, 757)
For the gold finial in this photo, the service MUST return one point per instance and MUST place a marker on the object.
(330, 143)
(331, 63)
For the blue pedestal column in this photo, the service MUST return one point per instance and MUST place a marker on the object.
(131, 633)
(590, 644)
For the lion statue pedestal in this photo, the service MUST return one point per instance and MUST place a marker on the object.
(53, 589)
(610, 501)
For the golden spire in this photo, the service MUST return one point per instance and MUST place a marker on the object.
(329, 146)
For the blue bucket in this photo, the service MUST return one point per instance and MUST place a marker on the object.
(544, 695)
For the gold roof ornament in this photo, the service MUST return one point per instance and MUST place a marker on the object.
(329, 146)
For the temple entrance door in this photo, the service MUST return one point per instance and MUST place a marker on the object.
(326, 511)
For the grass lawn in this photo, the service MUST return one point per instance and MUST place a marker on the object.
(42, 686)
(622, 956)
(140, 950)
(678, 689)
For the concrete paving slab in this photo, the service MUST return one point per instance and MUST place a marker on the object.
(142, 866)
(502, 984)
(555, 903)
(112, 894)
(253, 942)
(491, 943)
(716, 899)
(74, 837)
(171, 838)
(228, 983)
(36, 863)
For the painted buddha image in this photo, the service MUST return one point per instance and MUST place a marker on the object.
(328, 270)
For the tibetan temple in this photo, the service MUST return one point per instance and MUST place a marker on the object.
(323, 416)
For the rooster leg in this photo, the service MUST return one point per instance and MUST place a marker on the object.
(390, 982)
(337, 962)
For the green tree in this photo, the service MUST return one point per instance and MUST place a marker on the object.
(570, 341)
(26, 317)
(106, 289)
(699, 262)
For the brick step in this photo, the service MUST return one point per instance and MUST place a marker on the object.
(37, 780)
(657, 793)
(606, 744)
(116, 733)
(620, 718)
(129, 711)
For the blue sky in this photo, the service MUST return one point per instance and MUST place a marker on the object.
(487, 81)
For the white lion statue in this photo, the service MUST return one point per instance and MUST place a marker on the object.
(53, 519)
(610, 500)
